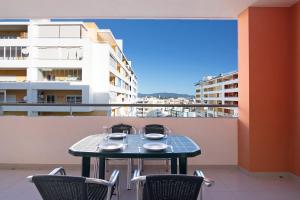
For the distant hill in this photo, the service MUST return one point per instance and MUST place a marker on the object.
(166, 95)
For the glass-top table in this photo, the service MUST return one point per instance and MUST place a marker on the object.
(180, 148)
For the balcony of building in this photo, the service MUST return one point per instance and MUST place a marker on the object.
(227, 78)
(13, 75)
(60, 96)
(58, 74)
(8, 32)
(13, 96)
(14, 55)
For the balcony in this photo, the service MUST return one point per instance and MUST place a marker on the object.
(217, 138)
(14, 56)
(13, 75)
(66, 75)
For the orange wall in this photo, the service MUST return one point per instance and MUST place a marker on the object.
(295, 44)
(264, 62)
(269, 88)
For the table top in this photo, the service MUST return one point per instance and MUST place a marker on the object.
(182, 146)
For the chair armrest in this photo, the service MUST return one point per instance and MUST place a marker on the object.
(114, 177)
(134, 130)
(29, 178)
(138, 179)
(58, 171)
(137, 176)
(112, 181)
(207, 181)
(168, 130)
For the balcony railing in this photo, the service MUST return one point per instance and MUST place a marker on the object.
(134, 109)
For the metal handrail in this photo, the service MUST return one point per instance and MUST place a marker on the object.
(121, 105)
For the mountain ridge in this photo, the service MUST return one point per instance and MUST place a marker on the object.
(166, 95)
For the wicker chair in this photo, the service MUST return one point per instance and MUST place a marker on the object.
(170, 187)
(58, 186)
(155, 128)
(118, 128)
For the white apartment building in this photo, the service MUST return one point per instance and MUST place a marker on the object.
(221, 89)
(165, 111)
(43, 61)
(151, 111)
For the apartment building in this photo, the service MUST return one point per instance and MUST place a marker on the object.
(43, 61)
(221, 89)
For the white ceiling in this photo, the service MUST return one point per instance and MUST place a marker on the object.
(130, 8)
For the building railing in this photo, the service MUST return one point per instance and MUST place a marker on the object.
(121, 104)
(128, 109)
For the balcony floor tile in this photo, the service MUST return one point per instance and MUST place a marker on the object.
(231, 184)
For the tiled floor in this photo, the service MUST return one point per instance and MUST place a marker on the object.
(231, 184)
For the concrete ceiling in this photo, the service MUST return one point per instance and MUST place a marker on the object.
(225, 9)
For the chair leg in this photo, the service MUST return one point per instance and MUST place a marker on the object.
(129, 172)
(96, 168)
(107, 165)
(118, 189)
(142, 165)
(200, 196)
(167, 165)
(139, 164)
(138, 192)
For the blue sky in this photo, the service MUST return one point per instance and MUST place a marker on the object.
(171, 55)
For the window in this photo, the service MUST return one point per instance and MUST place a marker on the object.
(7, 53)
(74, 99)
(1, 53)
(13, 52)
(50, 99)
(8, 36)
(19, 52)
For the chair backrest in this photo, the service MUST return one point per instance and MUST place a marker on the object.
(119, 128)
(154, 128)
(173, 187)
(52, 187)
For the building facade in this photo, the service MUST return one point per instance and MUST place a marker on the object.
(222, 89)
(43, 61)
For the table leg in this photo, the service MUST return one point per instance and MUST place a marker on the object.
(183, 165)
(85, 168)
(173, 165)
(101, 167)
